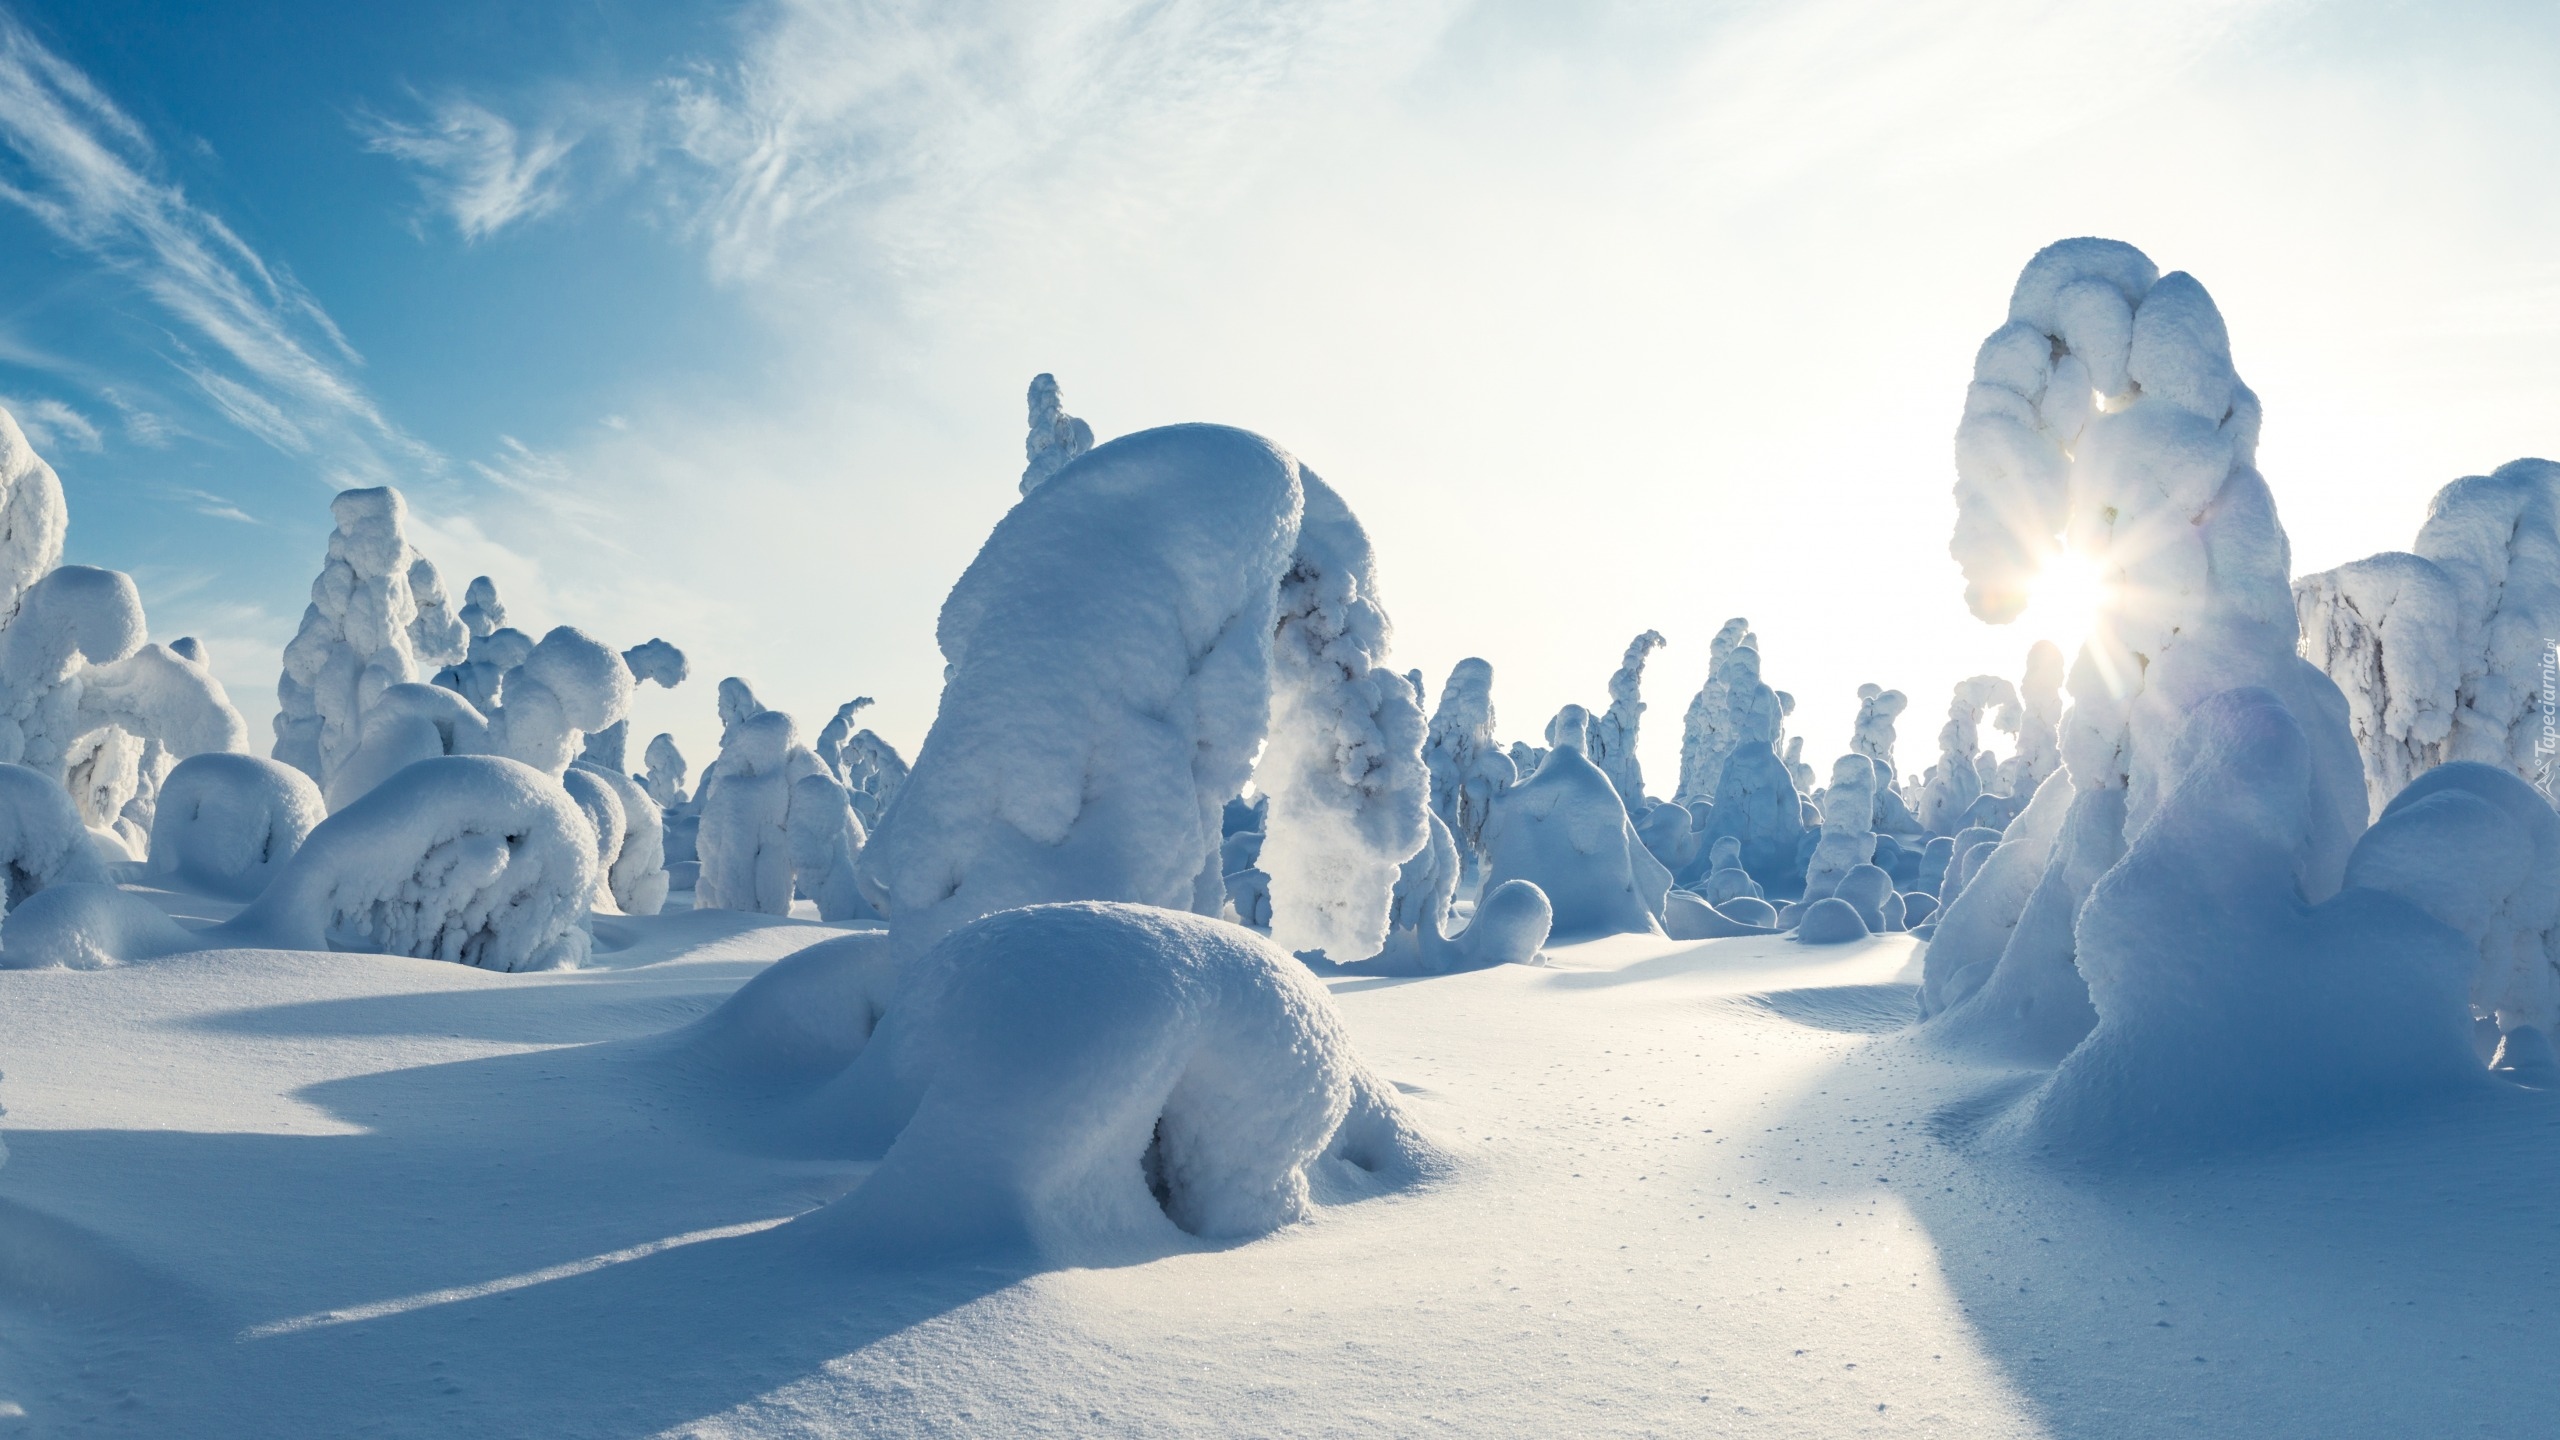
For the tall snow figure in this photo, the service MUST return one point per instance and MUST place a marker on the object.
(1612, 744)
(1469, 769)
(377, 618)
(1056, 439)
(1872, 734)
(1123, 642)
(2106, 416)
(1707, 737)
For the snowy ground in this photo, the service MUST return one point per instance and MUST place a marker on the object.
(1701, 1190)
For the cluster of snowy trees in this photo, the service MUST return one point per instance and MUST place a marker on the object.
(2285, 840)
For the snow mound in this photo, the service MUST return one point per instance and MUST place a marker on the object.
(1510, 925)
(2230, 1008)
(1831, 921)
(1083, 1081)
(805, 1017)
(42, 841)
(227, 824)
(1564, 831)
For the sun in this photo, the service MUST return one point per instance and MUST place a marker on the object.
(2063, 601)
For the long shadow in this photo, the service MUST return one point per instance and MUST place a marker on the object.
(476, 1260)
(2391, 1277)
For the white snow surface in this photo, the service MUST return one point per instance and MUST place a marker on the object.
(1690, 1188)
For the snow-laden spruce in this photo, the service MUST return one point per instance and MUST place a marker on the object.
(1469, 768)
(1565, 831)
(1955, 782)
(226, 824)
(1848, 825)
(473, 859)
(33, 517)
(2441, 651)
(745, 839)
(1056, 438)
(1756, 803)
(1871, 734)
(1707, 735)
(1090, 1082)
(2106, 416)
(1342, 763)
(1123, 642)
(377, 618)
(666, 771)
(2038, 752)
(1613, 734)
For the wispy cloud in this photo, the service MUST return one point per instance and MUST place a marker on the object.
(475, 165)
(206, 503)
(276, 364)
(50, 424)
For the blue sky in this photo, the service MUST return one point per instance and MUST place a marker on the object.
(713, 322)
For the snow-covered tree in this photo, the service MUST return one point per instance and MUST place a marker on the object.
(1956, 780)
(1469, 770)
(2441, 651)
(665, 777)
(1707, 735)
(2106, 416)
(1613, 733)
(1123, 642)
(1848, 816)
(377, 618)
(1056, 437)
(1872, 734)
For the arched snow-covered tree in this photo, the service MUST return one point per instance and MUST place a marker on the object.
(1123, 642)
(2106, 416)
